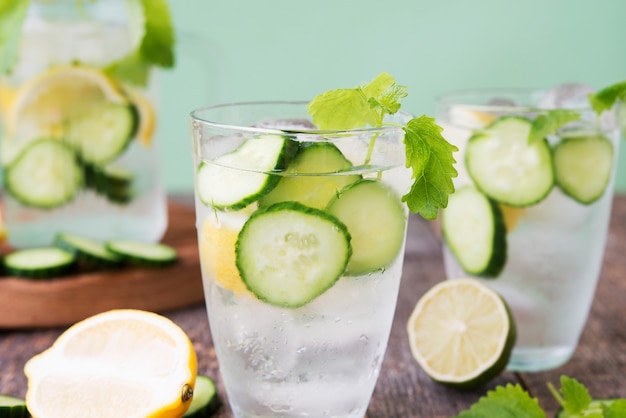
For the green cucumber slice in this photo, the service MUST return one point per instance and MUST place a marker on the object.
(146, 254)
(235, 180)
(288, 254)
(46, 174)
(376, 220)
(39, 263)
(89, 251)
(101, 132)
(12, 407)
(312, 190)
(112, 181)
(474, 230)
(205, 400)
(508, 169)
(583, 166)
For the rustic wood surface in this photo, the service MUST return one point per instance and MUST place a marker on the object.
(403, 390)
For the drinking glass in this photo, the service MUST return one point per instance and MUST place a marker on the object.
(76, 141)
(542, 204)
(299, 318)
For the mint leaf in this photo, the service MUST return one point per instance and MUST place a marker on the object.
(616, 409)
(605, 98)
(12, 15)
(132, 68)
(383, 93)
(429, 155)
(505, 402)
(341, 109)
(575, 395)
(549, 122)
(157, 46)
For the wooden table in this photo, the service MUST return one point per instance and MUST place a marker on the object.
(403, 390)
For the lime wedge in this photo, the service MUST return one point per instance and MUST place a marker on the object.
(461, 333)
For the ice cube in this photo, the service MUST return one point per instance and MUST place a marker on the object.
(567, 95)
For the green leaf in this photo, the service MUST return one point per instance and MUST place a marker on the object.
(505, 402)
(429, 156)
(383, 93)
(12, 15)
(616, 409)
(605, 98)
(157, 46)
(341, 109)
(132, 68)
(549, 122)
(575, 395)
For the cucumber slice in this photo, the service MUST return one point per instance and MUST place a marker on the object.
(112, 181)
(506, 167)
(143, 253)
(101, 132)
(45, 174)
(288, 254)
(88, 251)
(315, 191)
(376, 221)
(205, 400)
(12, 407)
(234, 180)
(583, 166)
(39, 263)
(474, 230)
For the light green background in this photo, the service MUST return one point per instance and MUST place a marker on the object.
(238, 50)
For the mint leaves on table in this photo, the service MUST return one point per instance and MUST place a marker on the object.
(511, 401)
(428, 154)
(151, 28)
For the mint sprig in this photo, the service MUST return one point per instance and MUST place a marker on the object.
(549, 122)
(428, 154)
(514, 402)
(605, 98)
(152, 38)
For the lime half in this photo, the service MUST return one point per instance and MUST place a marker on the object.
(461, 333)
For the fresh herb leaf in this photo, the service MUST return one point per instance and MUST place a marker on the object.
(428, 154)
(605, 98)
(12, 15)
(616, 409)
(157, 46)
(505, 402)
(575, 395)
(549, 122)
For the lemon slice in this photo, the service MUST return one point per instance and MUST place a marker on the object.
(461, 333)
(217, 251)
(120, 363)
(41, 105)
(146, 115)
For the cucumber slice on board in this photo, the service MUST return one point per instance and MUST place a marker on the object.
(89, 251)
(583, 166)
(313, 190)
(236, 179)
(288, 254)
(46, 174)
(146, 254)
(39, 263)
(508, 169)
(12, 407)
(101, 132)
(205, 400)
(474, 230)
(376, 221)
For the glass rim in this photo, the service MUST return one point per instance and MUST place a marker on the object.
(461, 98)
(195, 115)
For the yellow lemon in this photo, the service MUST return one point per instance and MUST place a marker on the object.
(217, 251)
(120, 363)
(41, 105)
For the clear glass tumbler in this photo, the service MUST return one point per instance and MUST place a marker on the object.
(76, 140)
(531, 208)
(301, 235)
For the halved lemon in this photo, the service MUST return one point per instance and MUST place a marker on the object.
(120, 363)
(461, 333)
(41, 105)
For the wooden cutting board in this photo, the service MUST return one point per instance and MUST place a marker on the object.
(26, 303)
